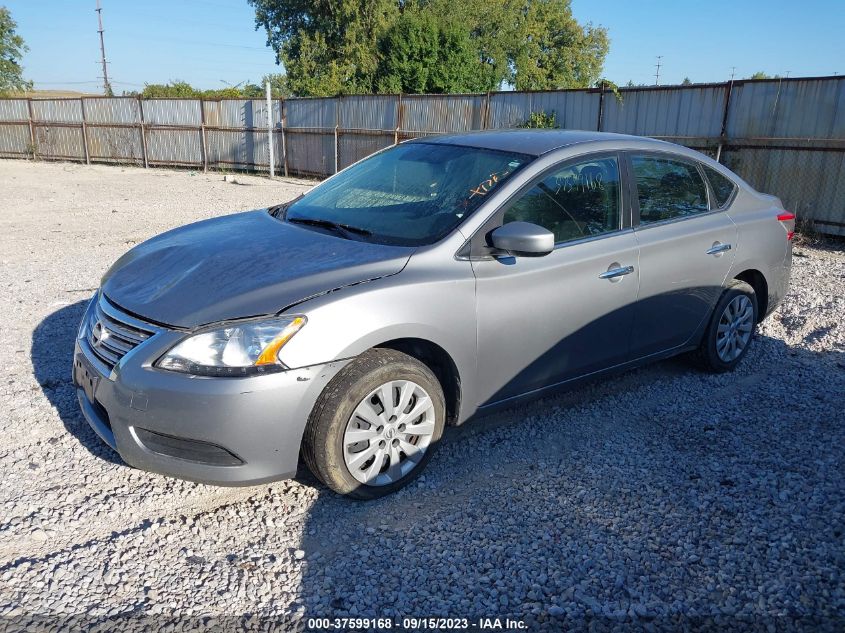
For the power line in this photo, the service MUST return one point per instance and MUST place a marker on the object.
(234, 5)
(57, 83)
(106, 85)
(205, 43)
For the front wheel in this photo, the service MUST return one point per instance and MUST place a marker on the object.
(375, 426)
(731, 329)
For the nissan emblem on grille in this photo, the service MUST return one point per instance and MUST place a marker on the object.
(98, 334)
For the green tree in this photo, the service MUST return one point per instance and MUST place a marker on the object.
(419, 54)
(179, 89)
(174, 90)
(759, 75)
(253, 91)
(493, 27)
(331, 47)
(541, 120)
(229, 92)
(12, 48)
(410, 51)
(686, 82)
(328, 47)
(551, 50)
(278, 84)
(458, 68)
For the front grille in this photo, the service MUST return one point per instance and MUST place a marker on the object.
(111, 334)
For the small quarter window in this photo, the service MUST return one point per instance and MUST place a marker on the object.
(723, 187)
(573, 202)
(668, 189)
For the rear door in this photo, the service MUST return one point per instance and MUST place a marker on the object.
(686, 247)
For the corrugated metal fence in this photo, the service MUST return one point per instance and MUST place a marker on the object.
(784, 136)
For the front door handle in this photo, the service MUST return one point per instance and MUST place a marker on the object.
(718, 248)
(615, 273)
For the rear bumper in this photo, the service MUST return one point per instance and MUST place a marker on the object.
(780, 286)
(223, 431)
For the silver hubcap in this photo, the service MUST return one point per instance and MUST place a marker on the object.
(735, 327)
(388, 433)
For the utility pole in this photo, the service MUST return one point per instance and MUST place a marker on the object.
(733, 72)
(657, 74)
(106, 85)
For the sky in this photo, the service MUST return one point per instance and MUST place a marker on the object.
(213, 43)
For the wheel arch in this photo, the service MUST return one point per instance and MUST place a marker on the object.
(442, 365)
(757, 280)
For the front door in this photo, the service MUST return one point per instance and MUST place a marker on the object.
(546, 320)
(686, 252)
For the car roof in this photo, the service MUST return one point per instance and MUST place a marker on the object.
(533, 142)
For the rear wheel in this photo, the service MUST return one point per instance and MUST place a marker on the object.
(375, 426)
(731, 329)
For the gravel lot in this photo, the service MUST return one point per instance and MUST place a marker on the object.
(660, 498)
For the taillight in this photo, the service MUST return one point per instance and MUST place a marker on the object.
(786, 216)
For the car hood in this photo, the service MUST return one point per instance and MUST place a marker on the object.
(241, 265)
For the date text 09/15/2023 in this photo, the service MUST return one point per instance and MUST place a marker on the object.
(417, 624)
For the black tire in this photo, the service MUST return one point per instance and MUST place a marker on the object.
(322, 444)
(707, 357)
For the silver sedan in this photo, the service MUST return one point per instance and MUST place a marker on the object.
(434, 281)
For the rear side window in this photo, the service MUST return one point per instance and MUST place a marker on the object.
(573, 202)
(723, 187)
(668, 189)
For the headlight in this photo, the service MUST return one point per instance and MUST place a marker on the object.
(239, 349)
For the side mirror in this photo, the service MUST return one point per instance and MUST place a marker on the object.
(523, 239)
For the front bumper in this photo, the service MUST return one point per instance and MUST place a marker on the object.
(224, 431)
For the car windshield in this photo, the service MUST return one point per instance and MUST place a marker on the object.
(412, 194)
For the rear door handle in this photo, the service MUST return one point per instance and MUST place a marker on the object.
(613, 273)
(718, 248)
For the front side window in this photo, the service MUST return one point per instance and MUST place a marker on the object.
(577, 201)
(723, 187)
(668, 189)
(412, 194)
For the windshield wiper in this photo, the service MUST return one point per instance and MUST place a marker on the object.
(338, 227)
(278, 211)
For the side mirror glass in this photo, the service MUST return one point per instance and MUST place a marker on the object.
(523, 239)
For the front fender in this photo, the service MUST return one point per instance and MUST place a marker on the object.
(436, 306)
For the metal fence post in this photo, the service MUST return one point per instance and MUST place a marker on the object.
(270, 132)
(143, 133)
(398, 119)
(31, 129)
(723, 134)
(601, 107)
(485, 121)
(282, 114)
(336, 148)
(203, 139)
(337, 135)
(84, 132)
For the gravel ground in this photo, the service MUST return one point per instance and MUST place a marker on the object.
(658, 499)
